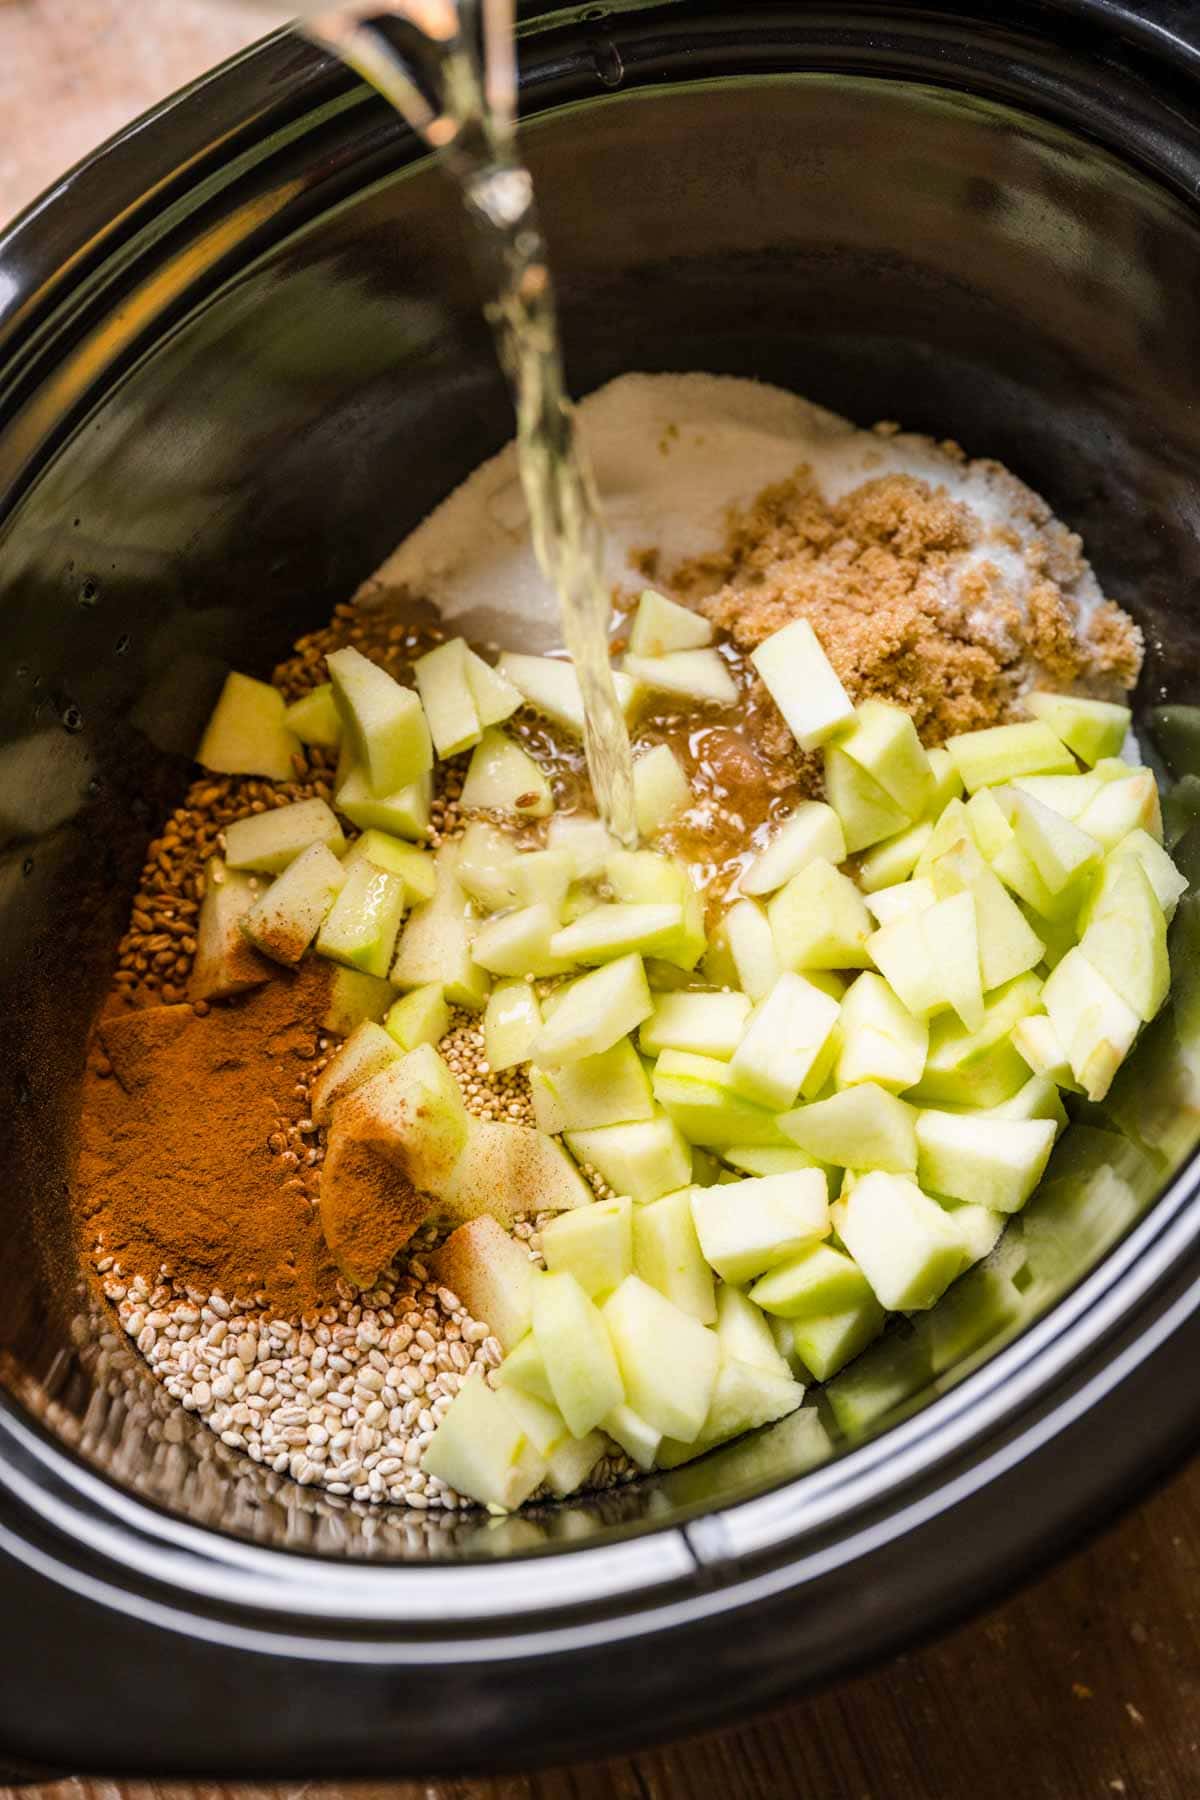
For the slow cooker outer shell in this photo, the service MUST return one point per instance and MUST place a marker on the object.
(107, 1601)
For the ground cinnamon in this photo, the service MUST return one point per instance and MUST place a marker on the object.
(181, 1158)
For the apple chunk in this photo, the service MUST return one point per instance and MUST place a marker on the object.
(660, 626)
(668, 1360)
(581, 1365)
(247, 734)
(813, 830)
(269, 841)
(993, 1162)
(491, 1274)
(746, 1227)
(284, 922)
(667, 1254)
(480, 1449)
(594, 1243)
(800, 680)
(594, 1012)
(384, 722)
(786, 1049)
(902, 1241)
(225, 963)
(862, 1127)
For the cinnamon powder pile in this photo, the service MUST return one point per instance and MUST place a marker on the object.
(179, 1162)
(902, 612)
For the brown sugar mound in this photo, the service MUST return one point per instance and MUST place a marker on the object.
(901, 613)
(177, 1166)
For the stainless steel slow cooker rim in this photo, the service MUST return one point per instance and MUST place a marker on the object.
(754, 1522)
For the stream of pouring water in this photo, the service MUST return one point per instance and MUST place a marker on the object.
(471, 120)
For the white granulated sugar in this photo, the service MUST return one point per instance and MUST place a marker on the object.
(672, 455)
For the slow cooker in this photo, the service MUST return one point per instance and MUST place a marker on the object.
(241, 354)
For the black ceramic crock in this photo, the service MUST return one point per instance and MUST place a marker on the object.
(240, 355)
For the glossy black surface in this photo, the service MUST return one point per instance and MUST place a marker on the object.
(240, 356)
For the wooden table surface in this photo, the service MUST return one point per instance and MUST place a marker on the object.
(1088, 1684)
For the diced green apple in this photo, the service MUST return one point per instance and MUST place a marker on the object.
(862, 1127)
(1168, 884)
(743, 951)
(492, 1275)
(768, 1159)
(405, 813)
(978, 1227)
(644, 1160)
(750, 1226)
(819, 921)
(813, 830)
(360, 928)
(506, 1169)
(890, 903)
(587, 841)
(269, 841)
(247, 733)
(479, 1449)
(1122, 806)
(947, 782)
(705, 1024)
(660, 789)
(800, 679)
(1060, 851)
(826, 1342)
(571, 1462)
(976, 1310)
(540, 1420)
(638, 1439)
(644, 878)
(668, 1360)
(1001, 753)
(523, 1368)
(581, 1365)
(594, 1012)
(225, 963)
(879, 1040)
(701, 676)
(421, 1017)
(435, 944)
(614, 930)
(354, 997)
(1091, 728)
(520, 943)
(783, 1052)
(1008, 944)
(883, 741)
(415, 867)
(1066, 795)
(989, 826)
(551, 687)
(384, 722)
(994, 1162)
(594, 1244)
(979, 1068)
(901, 1240)
(441, 678)
(895, 858)
(667, 1254)
(931, 959)
(661, 627)
(816, 1281)
(1126, 941)
(1039, 1044)
(1038, 1099)
(495, 698)
(744, 1333)
(745, 1396)
(867, 812)
(1094, 1024)
(284, 922)
(612, 1088)
(1019, 873)
(512, 1019)
(486, 865)
(314, 718)
(699, 1094)
(501, 777)
(413, 1110)
(365, 1052)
